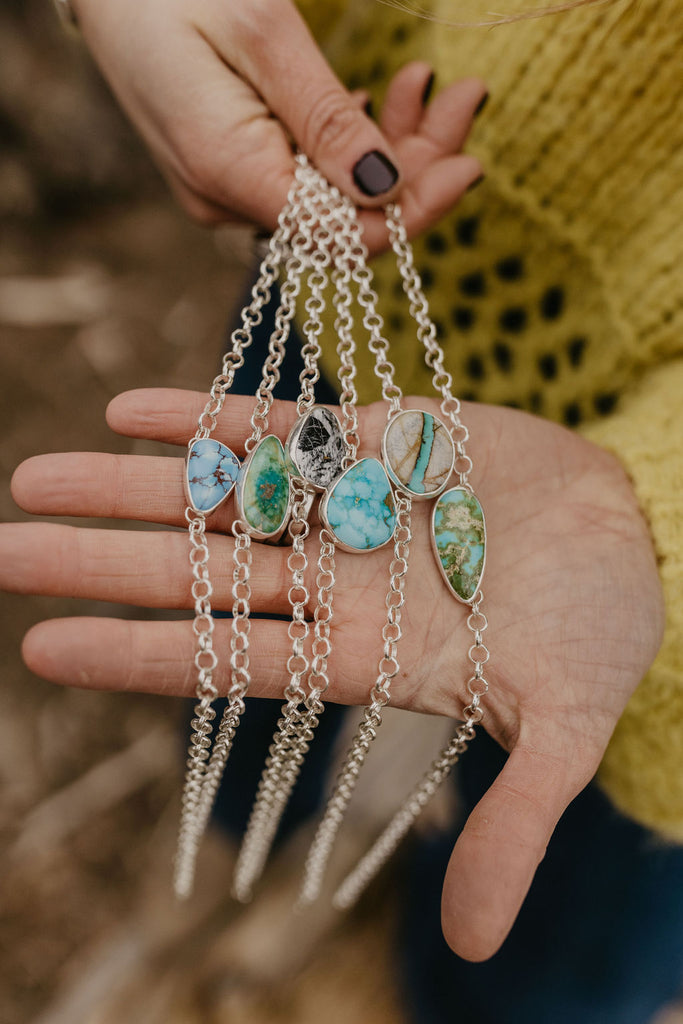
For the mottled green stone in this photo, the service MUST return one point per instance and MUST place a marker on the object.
(264, 487)
(459, 536)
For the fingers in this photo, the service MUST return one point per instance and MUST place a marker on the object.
(209, 130)
(158, 657)
(171, 415)
(448, 118)
(147, 569)
(301, 89)
(150, 657)
(137, 487)
(502, 844)
(404, 104)
(427, 198)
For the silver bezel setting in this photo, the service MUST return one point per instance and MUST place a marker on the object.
(322, 512)
(416, 495)
(256, 534)
(292, 441)
(186, 477)
(461, 600)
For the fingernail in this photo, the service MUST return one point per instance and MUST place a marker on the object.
(368, 108)
(480, 105)
(428, 89)
(473, 184)
(374, 173)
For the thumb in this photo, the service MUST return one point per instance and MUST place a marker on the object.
(503, 842)
(271, 46)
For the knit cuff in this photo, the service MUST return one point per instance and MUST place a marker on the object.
(642, 768)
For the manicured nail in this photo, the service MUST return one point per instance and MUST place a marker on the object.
(368, 108)
(480, 105)
(374, 173)
(428, 89)
(473, 184)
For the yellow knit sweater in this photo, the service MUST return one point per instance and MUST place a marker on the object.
(556, 285)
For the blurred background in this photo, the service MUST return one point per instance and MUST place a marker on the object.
(104, 286)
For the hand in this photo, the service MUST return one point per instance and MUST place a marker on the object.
(216, 89)
(572, 596)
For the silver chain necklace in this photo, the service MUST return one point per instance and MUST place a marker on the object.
(364, 504)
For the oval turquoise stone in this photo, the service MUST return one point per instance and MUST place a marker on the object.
(459, 535)
(359, 509)
(212, 470)
(418, 453)
(264, 487)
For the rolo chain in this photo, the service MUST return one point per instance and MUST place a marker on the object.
(403, 820)
(478, 654)
(326, 833)
(204, 768)
(426, 333)
(299, 713)
(319, 238)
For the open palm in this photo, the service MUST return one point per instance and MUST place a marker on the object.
(572, 597)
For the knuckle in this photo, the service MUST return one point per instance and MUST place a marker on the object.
(330, 123)
(196, 171)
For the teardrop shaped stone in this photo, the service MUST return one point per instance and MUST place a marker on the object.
(264, 487)
(418, 453)
(211, 473)
(359, 509)
(459, 535)
(316, 447)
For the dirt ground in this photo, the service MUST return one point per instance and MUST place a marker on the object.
(105, 286)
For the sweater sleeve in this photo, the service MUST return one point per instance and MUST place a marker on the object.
(643, 767)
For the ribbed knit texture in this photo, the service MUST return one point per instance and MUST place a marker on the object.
(557, 284)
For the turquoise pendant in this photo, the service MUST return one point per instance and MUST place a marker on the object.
(459, 542)
(263, 491)
(211, 473)
(359, 509)
(418, 452)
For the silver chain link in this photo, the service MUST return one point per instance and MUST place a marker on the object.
(303, 706)
(403, 820)
(204, 766)
(317, 232)
(478, 654)
(442, 380)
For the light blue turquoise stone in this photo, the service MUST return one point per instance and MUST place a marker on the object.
(360, 508)
(264, 487)
(212, 470)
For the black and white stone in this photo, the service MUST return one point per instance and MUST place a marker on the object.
(315, 447)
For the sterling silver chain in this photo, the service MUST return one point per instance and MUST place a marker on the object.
(319, 241)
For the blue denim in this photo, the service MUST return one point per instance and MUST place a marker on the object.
(599, 939)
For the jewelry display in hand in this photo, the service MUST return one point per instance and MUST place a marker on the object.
(365, 504)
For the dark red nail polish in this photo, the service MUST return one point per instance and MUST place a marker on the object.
(374, 173)
(480, 105)
(428, 89)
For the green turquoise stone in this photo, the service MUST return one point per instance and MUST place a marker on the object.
(263, 487)
(459, 535)
(359, 509)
